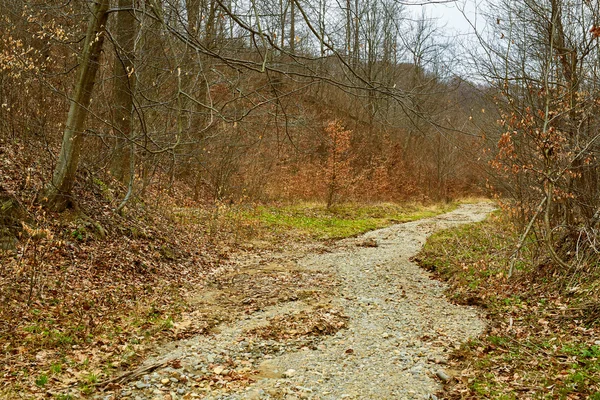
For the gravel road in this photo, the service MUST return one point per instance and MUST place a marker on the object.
(395, 332)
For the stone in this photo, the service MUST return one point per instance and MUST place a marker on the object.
(219, 370)
(165, 381)
(416, 370)
(444, 377)
(141, 385)
(289, 373)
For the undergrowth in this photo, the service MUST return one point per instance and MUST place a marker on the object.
(541, 342)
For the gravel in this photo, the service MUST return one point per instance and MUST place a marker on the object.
(399, 332)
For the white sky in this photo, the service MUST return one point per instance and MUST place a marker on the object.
(449, 13)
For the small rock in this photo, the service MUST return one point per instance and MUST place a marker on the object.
(164, 381)
(370, 242)
(174, 380)
(416, 370)
(275, 392)
(181, 391)
(141, 385)
(385, 335)
(444, 377)
(219, 370)
(289, 373)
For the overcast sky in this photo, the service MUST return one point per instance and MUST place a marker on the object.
(449, 13)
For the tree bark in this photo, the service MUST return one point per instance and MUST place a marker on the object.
(292, 27)
(57, 194)
(124, 85)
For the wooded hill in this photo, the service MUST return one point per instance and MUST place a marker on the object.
(303, 102)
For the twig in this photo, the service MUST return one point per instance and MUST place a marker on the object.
(135, 373)
(513, 258)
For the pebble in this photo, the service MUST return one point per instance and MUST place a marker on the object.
(444, 377)
(416, 370)
(219, 370)
(289, 373)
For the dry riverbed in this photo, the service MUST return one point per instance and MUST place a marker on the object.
(358, 320)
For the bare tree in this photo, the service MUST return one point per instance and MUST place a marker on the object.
(126, 30)
(542, 59)
(58, 191)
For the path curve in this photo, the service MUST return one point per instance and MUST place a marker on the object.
(400, 329)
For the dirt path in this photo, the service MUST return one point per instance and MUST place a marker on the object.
(382, 333)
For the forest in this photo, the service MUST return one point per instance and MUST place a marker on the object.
(150, 148)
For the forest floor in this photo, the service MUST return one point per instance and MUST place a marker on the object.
(543, 324)
(350, 319)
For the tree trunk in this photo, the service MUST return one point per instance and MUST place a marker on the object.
(348, 28)
(292, 27)
(124, 85)
(194, 113)
(57, 193)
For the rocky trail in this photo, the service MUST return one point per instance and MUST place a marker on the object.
(372, 326)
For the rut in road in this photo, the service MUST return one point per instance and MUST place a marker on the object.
(398, 330)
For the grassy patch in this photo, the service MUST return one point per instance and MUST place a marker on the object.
(539, 344)
(316, 221)
(278, 223)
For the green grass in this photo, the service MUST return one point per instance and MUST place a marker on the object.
(56, 368)
(316, 221)
(41, 380)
